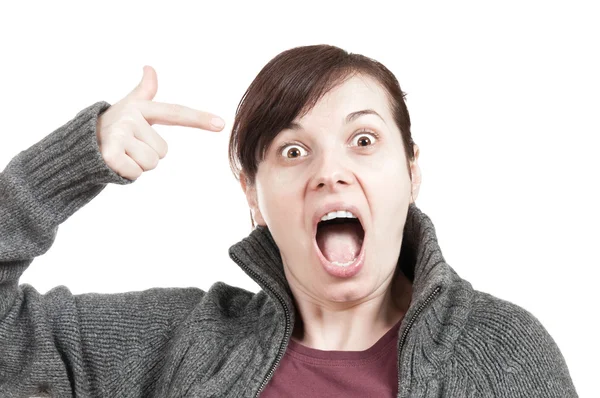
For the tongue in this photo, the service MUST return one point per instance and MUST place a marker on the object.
(340, 242)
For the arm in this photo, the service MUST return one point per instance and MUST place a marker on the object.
(64, 344)
(42, 187)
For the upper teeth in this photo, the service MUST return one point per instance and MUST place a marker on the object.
(337, 214)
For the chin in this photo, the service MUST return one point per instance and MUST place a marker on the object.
(346, 291)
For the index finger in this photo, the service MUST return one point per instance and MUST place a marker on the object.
(179, 115)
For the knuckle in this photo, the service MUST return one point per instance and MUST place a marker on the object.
(163, 148)
(134, 171)
(137, 173)
(154, 161)
(128, 121)
(129, 116)
(110, 158)
(131, 106)
(132, 175)
(149, 161)
(117, 133)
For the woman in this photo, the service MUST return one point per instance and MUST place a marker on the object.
(356, 297)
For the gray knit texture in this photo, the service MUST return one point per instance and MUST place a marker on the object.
(186, 342)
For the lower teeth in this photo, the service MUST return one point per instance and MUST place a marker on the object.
(342, 264)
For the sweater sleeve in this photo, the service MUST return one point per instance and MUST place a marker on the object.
(60, 343)
(506, 349)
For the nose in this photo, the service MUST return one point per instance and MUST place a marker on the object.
(331, 173)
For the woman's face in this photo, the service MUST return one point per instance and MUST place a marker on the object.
(325, 160)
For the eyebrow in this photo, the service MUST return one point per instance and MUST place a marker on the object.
(350, 118)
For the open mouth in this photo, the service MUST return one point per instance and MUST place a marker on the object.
(340, 240)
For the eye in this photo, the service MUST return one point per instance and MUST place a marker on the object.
(291, 151)
(363, 138)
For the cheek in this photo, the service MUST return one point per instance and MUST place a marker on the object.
(385, 172)
(279, 201)
(387, 187)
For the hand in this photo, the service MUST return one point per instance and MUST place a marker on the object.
(128, 143)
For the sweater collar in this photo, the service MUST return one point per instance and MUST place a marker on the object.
(420, 260)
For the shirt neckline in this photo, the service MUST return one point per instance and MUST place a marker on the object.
(300, 351)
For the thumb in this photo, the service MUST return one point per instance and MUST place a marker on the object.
(146, 89)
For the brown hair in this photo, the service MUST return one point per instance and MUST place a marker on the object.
(289, 86)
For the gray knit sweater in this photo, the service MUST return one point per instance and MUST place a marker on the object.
(226, 342)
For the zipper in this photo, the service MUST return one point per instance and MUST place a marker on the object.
(286, 310)
(410, 323)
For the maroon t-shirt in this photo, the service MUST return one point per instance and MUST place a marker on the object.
(308, 372)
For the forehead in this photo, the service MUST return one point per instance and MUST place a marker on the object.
(356, 93)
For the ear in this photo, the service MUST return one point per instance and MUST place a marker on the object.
(252, 199)
(415, 172)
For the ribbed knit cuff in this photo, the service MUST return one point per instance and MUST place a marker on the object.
(65, 170)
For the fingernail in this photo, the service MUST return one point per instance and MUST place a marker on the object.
(217, 122)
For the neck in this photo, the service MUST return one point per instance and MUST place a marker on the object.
(350, 327)
(420, 260)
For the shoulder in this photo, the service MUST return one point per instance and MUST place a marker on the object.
(236, 301)
(504, 346)
(500, 320)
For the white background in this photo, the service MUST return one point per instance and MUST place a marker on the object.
(503, 97)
